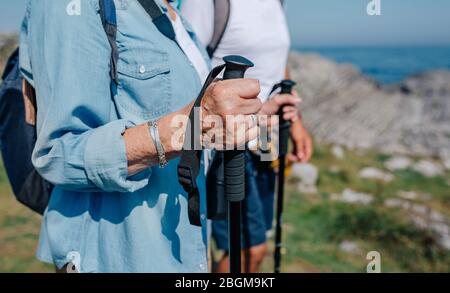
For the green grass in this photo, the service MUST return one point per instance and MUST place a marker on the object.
(19, 233)
(314, 226)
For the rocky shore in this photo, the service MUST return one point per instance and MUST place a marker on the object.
(342, 106)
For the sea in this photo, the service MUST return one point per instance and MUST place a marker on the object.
(388, 65)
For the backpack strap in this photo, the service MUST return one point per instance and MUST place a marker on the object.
(160, 19)
(222, 10)
(109, 22)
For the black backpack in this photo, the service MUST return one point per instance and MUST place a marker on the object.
(18, 133)
(18, 137)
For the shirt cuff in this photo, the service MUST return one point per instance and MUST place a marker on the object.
(106, 161)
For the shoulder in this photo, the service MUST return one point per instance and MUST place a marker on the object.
(65, 20)
(68, 11)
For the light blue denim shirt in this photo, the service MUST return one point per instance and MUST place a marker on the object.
(98, 216)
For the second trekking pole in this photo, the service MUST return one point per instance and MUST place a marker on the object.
(235, 174)
(286, 88)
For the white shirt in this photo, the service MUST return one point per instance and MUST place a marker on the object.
(191, 50)
(257, 30)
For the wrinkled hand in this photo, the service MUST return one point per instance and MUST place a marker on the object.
(302, 142)
(234, 102)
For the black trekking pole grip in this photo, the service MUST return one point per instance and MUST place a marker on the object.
(235, 159)
(286, 88)
(234, 173)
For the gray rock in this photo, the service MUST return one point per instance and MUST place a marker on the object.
(334, 169)
(442, 234)
(377, 174)
(411, 195)
(308, 175)
(349, 247)
(353, 197)
(428, 168)
(420, 209)
(423, 217)
(308, 189)
(437, 217)
(397, 203)
(398, 163)
(427, 84)
(446, 163)
(440, 228)
(445, 242)
(445, 158)
(338, 152)
(419, 222)
(342, 106)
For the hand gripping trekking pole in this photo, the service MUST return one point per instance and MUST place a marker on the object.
(286, 88)
(235, 174)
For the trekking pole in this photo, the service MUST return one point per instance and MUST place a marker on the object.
(235, 174)
(286, 88)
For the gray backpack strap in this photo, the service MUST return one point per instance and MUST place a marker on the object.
(222, 10)
(109, 22)
(221, 17)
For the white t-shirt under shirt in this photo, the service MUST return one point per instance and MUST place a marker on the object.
(190, 49)
(257, 30)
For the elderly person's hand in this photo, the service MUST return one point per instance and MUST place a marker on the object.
(235, 103)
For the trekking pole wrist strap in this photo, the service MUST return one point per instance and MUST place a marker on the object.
(189, 166)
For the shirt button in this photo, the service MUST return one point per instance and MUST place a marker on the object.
(202, 267)
(142, 69)
(123, 4)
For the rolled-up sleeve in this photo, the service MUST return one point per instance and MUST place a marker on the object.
(106, 161)
(80, 144)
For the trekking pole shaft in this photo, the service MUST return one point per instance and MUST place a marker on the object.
(286, 88)
(234, 236)
(279, 221)
(235, 174)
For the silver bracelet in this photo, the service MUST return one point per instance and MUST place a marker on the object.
(154, 133)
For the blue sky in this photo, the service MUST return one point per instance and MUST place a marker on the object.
(318, 23)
